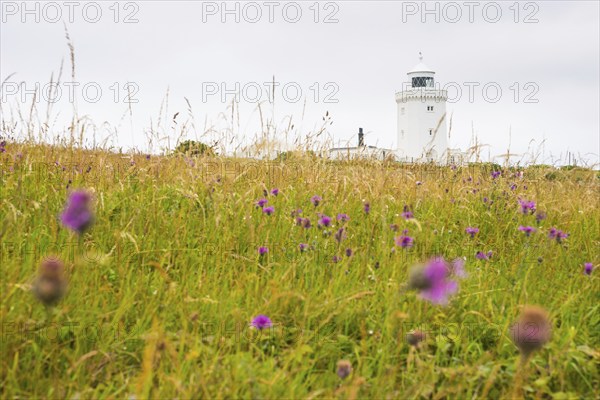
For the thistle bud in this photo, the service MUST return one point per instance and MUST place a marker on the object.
(344, 368)
(415, 337)
(532, 330)
(50, 284)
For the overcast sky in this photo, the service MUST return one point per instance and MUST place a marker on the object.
(347, 58)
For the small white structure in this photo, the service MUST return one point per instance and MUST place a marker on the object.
(422, 134)
(361, 151)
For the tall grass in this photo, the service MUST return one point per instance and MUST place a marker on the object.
(163, 287)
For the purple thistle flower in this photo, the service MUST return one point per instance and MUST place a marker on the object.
(316, 200)
(513, 186)
(77, 215)
(433, 281)
(406, 213)
(404, 241)
(340, 235)
(348, 252)
(324, 221)
(263, 250)
(483, 256)
(527, 229)
(305, 223)
(275, 192)
(557, 234)
(343, 217)
(472, 231)
(261, 322)
(3, 146)
(539, 216)
(587, 268)
(495, 174)
(261, 203)
(269, 210)
(302, 246)
(458, 268)
(147, 156)
(527, 207)
(336, 259)
(367, 208)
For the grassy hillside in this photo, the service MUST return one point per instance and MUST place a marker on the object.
(164, 285)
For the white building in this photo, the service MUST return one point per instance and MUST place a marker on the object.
(422, 133)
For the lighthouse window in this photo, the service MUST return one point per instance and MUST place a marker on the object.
(430, 132)
(422, 81)
(429, 108)
(402, 111)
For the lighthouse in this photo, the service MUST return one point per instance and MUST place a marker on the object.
(422, 134)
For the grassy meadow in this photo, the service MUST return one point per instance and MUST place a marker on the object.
(164, 285)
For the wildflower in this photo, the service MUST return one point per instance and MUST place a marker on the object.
(261, 203)
(50, 284)
(343, 217)
(261, 322)
(483, 256)
(340, 235)
(367, 208)
(532, 330)
(336, 259)
(302, 246)
(458, 268)
(263, 250)
(433, 281)
(527, 207)
(513, 186)
(394, 227)
(557, 234)
(77, 215)
(147, 156)
(305, 223)
(296, 212)
(415, 337)
(344, 369)
(485, 199)
(404, 241)
(3, 146)
(472, 231)
(406, 213)
(348, 252)
(324, 221)
(495, 174)
(539, 216)
(275, 192)
(269, 210)
(316, 200)
(587, 268)
(527, 229)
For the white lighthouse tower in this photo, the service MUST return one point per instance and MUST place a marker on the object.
(422, 135)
